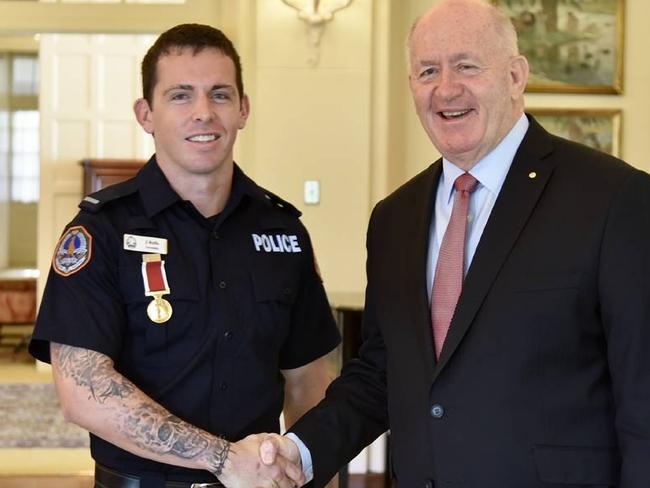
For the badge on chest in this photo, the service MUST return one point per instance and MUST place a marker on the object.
(155, 286)
(154, 276)
(133, 242)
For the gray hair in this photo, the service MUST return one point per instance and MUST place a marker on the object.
(501, 22)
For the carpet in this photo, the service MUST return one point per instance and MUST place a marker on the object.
(30, 416)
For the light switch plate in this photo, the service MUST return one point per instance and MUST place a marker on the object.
(312, 192)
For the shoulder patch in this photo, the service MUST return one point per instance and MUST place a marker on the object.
(73, 251)
(276, 201)
(95, 201)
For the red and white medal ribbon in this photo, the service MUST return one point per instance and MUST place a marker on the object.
(156, 285)
(154, 275)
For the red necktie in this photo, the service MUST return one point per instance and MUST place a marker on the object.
(448, 279)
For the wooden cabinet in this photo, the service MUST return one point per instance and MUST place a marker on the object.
(17, 296)
(17, 308)
(99, 173)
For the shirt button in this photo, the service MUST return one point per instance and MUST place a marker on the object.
(437, 412)
(216, 235)
(222, 285)
(223, 386)
(227, 335)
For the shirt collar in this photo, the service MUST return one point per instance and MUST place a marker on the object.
(492, 169)
(157, 194)
(244, 186)
(155, 191)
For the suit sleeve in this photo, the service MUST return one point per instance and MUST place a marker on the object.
(624, 288)
(354, 410)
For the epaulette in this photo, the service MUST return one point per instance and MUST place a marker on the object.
(95, 201)
(276, 201)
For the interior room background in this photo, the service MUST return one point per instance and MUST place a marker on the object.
(339, 113)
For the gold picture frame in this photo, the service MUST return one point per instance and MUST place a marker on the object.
(573, 46)
(596, 128)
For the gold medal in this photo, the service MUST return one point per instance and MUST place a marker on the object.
(159, 310)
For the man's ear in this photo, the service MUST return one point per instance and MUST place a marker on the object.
(519, 72)
(143, 115)
(244, 111)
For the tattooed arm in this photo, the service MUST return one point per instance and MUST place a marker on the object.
(96, 397)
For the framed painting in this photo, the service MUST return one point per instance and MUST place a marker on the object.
(573, 46)
(596, 128)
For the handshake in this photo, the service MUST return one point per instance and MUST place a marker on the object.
(261, 461)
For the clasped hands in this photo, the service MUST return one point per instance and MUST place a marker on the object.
(263, 461)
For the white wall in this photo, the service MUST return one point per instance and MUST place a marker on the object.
(313, 122)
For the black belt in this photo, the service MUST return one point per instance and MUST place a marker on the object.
(108, 478)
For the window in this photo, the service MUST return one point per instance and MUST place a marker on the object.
(24, 80)
(24, 156)
(19, 127)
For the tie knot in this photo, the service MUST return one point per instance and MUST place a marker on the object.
(465, 182)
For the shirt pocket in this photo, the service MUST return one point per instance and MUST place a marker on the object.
(274, 293)
(581, 466)
(168, 342)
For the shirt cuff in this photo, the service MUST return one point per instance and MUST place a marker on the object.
(305, 457)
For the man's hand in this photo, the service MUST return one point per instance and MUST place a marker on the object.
(276, 447)
(243, 469)
(277, 450)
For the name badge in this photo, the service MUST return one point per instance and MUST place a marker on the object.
(154, 245)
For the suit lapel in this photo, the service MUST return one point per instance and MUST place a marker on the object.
(524, 184)
(416, 286)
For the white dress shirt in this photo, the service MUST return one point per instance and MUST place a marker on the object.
(490, 172)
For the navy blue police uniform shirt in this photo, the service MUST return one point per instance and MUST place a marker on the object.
(247, 302)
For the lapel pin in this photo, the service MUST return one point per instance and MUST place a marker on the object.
(532, 175)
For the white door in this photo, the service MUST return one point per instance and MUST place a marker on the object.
(88, 86)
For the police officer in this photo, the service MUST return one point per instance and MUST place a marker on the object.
(183, 309)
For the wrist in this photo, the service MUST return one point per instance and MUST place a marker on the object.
(217, 460)
(303, 456)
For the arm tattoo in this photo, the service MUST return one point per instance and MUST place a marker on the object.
(93, 371)
(147, 424)
(217, 457)
(151, 427)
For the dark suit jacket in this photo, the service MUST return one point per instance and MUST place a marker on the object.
(544, 379)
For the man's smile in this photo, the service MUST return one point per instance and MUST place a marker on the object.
(202, 138)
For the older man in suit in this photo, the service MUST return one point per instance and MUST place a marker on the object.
(536, 374)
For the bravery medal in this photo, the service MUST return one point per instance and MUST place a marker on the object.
(155, 285)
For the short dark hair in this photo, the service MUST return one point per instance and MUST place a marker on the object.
(193, 36)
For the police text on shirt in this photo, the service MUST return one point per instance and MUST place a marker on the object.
(276, 243)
